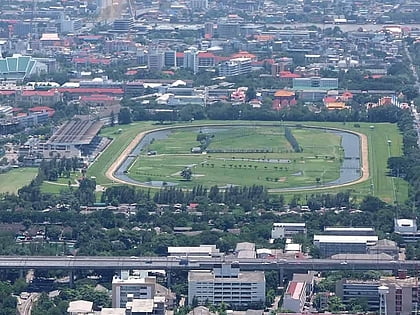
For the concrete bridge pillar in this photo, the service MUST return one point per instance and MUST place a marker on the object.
(71, 278)
(281, 276)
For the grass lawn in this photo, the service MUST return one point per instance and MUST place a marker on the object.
(379, 151)
(278, 168)
(15, 179)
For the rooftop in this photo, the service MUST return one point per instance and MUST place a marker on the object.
(244, 276)
(351, 239)
(76, 132)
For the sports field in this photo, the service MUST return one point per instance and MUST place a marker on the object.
(242, 156)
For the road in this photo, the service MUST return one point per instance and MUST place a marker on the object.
(173, 263)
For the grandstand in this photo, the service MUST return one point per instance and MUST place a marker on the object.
(19, 67)
(77, 138)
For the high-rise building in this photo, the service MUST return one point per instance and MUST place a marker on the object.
(170, 58)
(155, 60)
(236, 66)
(209, 28)
(228, 29)
(199, 5)
(227, 284)
(191, 59)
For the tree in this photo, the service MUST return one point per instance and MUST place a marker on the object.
(124, 117)
(112, 119)
(335, 305)
(186, 173)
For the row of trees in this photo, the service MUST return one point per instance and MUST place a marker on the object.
(292, 140)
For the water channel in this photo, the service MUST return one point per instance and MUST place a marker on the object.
(350, 169)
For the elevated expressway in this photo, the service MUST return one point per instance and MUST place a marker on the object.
(174, 263)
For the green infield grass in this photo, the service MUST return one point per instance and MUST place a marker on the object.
(15, 179)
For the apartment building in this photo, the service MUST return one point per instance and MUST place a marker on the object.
(226, 283)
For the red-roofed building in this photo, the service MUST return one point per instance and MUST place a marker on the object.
(244, 54)
(284, 98)
(206, 60)
(287, 76)
(74, 93)
(42, 109)
(39, 97)
(295, 297)
(99, 100)
(179, 58)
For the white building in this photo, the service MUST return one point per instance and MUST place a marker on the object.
(282, 230)
(344, 244)
(295, 297)
(191, 59)
(298, 291)
(199, 251)
(407, 229)
(236, 66)
(199, 5)
(226, 283)
(80, 307)
(140, 288)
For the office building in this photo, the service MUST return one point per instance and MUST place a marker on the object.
(191, 59)
(407, 229)
(349, 231)
(315, 83)
(227, 284)
(282, 230)
(343, 244)
(349, 290)
(209, 29)
(228, 29)
(401, 299)
(234, 67)
(155, 60)
(140, 288)
(169, 57)
(199, 5)
(123, 25)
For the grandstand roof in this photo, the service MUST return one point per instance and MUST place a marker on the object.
(16, 67)
(76, 132)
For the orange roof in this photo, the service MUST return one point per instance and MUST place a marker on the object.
(243, 54)
(336, 105)
(264, 38)
(284, 93)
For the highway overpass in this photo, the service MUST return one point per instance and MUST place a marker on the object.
(174, 263)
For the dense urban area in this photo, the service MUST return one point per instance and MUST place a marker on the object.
(209, 157)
